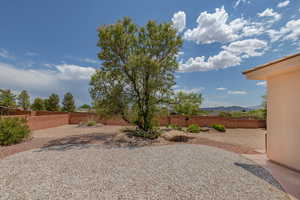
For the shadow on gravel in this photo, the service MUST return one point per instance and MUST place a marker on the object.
(78, 142)
(261, 173)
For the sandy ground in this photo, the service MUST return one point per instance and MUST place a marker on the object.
(243, 141)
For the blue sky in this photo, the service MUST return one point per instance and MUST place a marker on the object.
(50, 46)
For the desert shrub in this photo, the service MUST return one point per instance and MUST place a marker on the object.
(91, 123)
(193, 128)
(219, 127)
(175, 127)
(13, 130)
(146, 134)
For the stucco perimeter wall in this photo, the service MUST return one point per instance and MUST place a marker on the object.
(179, 120)
(45, 121)
(283, 119)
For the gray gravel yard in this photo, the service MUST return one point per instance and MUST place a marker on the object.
(93, 171)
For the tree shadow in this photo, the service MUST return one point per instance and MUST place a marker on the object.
(261, 173)
(77, 141)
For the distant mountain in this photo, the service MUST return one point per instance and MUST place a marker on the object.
(231, 108)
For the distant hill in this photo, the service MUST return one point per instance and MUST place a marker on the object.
(231, 108)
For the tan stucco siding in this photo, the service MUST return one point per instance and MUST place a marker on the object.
(284, 119)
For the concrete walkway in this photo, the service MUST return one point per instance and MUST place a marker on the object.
(289, 179)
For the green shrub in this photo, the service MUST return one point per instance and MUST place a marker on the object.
(13, 130)
(193, 128)
(175, 127)
(149, 135)
(91, 123)
(219, 127)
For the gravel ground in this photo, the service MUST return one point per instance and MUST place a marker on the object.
(180, 171)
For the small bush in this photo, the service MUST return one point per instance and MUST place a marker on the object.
(175, 127)
(13, 130)
(193, 128)
(149, 135)
(91, 123)
(219, 127)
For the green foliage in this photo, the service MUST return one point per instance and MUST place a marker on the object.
(219, 127)
(7, 98)
(150, 134)
(187, 103)
(68, 103)
(175, 127)
(13, 130)
(52, 103)
(137, 73)
(193, 128)
(38, 104)
(91, 123)
(85, 106)
(24, 100)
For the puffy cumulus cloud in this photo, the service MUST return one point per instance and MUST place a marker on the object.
(247, 48)
(215, 27)
(42, 82)
(272, 15)
(230, 56)
(237, 92)
(291, 31)
(74, 72)
(179, 21)
(253, 28)
(283, 4)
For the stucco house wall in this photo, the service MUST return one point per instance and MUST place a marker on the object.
(283, 120)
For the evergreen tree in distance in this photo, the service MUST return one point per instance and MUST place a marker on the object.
(68, 103)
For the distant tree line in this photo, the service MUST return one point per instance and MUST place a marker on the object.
(22, 101)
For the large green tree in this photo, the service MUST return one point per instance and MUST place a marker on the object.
(52, 103)
(187, 103)
(24, 100)
(138, 65)
(38, 104)
(7, 98)
(68, 103)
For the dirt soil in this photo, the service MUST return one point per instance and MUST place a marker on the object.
(242, 141)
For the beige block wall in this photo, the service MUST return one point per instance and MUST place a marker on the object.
(284, 119)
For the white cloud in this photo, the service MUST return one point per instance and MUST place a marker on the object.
(254, 28)
(291, 31)
(89, 60)
(5, 54)
(42, 82)
(214, 27)
(238, 2)
(272, 15)
(283, 4)
(230, 56)
(261, 83)
(237, 92)
(74, 72)
(179, 21)
(247, 48)
(221, 88)
(190, 90)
